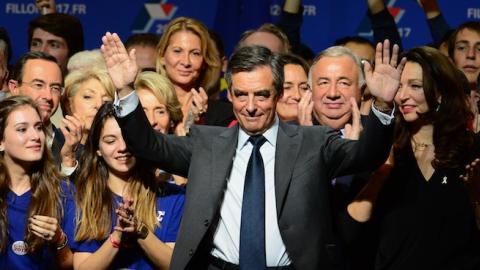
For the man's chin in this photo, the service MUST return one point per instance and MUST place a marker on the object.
(46, 117)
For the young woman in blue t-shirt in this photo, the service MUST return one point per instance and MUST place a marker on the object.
(124, 218)
(33, 199)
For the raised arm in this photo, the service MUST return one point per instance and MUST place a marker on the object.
(384, 81)
(121, 65)
(383, 23)
(436, 22)
(172, 154)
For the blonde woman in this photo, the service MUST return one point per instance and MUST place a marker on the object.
(85, 91)
(160, 103)
(189, 58)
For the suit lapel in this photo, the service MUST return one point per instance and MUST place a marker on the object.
(288, 145)
(223, 151)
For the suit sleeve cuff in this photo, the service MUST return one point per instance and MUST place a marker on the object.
(126, 105)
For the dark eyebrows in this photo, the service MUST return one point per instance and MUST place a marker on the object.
(237, 92)
(263, 93)
(466, 42)
(26, 123)
(415, 81)
(108, 136)
(39, 80)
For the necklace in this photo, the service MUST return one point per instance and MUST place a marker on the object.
(420, 146)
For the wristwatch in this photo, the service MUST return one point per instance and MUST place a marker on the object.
(142, 231)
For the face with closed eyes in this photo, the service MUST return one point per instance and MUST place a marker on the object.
(410, 96)
(90, 95)
(294, 86)
(113, 150)
(183, 59)
(254, 99)
(24, 137)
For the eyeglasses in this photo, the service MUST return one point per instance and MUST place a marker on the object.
(38, 85)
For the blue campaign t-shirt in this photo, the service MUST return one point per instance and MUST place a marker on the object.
(16, 256)
(169, 210)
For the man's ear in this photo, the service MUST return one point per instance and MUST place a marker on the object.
(229, 95)
(13, 87)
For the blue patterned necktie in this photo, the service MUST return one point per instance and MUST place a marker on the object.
(252, 228)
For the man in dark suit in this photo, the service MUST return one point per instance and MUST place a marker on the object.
(297, 164)
(37, 75)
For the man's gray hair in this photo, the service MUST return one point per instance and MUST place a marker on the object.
(338, 51)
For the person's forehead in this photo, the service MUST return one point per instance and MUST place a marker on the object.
(265, 39)
(42, 34)
(362, 50)
(23, 114)
(468, 34)
(342, 63)
(42, 69)
(259, 78)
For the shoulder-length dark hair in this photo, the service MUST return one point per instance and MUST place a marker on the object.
(94, 199)
(450, 117)
(44, 181)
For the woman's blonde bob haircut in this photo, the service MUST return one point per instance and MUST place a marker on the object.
(164, 91)
(77, 78)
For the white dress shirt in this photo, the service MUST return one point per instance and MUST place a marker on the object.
(226, 240)
(227, 236)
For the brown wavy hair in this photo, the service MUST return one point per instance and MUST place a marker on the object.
(211, 60)
(44, 180)
(94, 199)
(450, 117)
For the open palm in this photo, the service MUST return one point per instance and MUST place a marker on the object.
(383, 82)
(121, 66)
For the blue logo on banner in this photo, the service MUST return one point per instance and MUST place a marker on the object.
(153, 11)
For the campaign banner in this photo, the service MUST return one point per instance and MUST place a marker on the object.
(324, 21)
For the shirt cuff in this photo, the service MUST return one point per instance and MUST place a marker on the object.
(384, 118)
(67, 171)
(127, 104)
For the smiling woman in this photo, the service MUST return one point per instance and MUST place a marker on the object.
(294, 86)
(424, 208)
(188, 56)
(27, 173)
(117, 203)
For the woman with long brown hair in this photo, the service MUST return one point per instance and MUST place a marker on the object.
(33, 197)
(425, 208)
(124, 218)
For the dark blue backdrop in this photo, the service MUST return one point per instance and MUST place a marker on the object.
(324, 21)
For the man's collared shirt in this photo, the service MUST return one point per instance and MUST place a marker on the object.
(227, 237)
